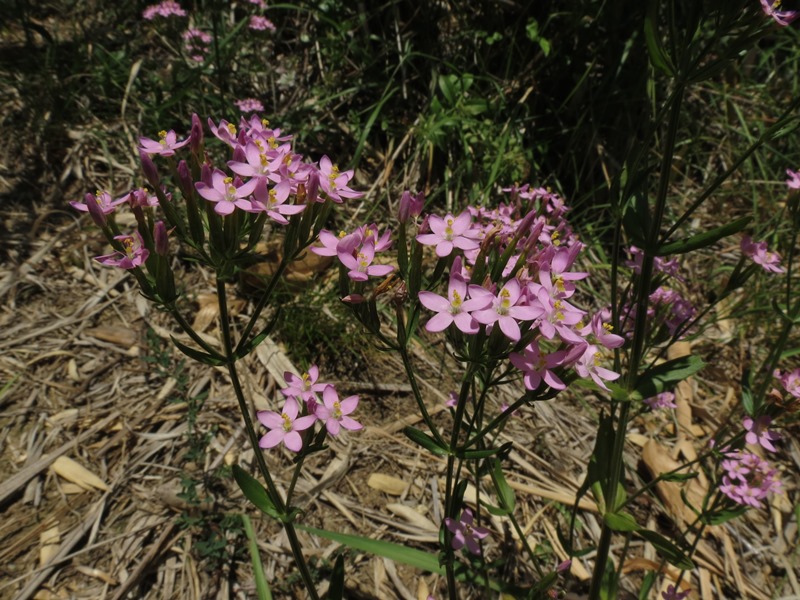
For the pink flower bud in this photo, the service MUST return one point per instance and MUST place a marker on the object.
(149, 168)
(353, 299)
(161, 238)
(95, 211)
(410, 206)
(185, 178)
(196, 135)
(312, 187)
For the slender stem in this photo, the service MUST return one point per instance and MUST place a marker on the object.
(418, 395)
(275, 496)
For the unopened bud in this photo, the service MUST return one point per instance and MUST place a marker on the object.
(353, 299)
(161, 238)
(97, 214)
(410, 206)
(312, 187)
(185, 178)
(149, 168)
(196, 135)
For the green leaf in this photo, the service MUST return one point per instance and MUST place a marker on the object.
(423, 439)
(255, 492)
(199, 355)
(723, 516)
(504, 492)
(656, 380)
(447, 88)
(336, 588)
(703, 240)
(621, 522)
(482, 453)
(678, 476)
(262, 587)
(396, 552)
(636, 220)
(674, 555)
(658, 56)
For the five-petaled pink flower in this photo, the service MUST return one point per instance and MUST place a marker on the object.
(284, 426)
(273, 201)
(465, 533)
(165, 146)
(537, 367)
(455, 308)
(305, 386)
(134, 255)
(333, 412)
(769, 261)
(360, 264)
(758, 432)
(506, 309)
(794, 179)
(450, 232)
(228, 193)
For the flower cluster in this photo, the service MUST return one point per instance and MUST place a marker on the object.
(528, 300)
(748, 478)
(320, 402)
(196, 43)
(260, 23)
(790, 381)
(662, 400)
(167, 8)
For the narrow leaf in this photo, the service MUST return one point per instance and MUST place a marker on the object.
(336, 588)
(255, 492)
(262, 587)
(621, 522)
(674, 555)
(504, 492)
(199, 355)
(423, 439)
(656, 380)
(703, 240)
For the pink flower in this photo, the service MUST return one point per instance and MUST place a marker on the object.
(464, 533)
(450, 232)
(602, 332)
(537, 367)
(360, 265)
(589, 366)
(247, 105)
(226, 192)
(164, 9)
(273, 201)
(284, 427)
(455, 308)
(506, 309)
(758, 432)
(305, 386)
(782, 17)
(258, 23)
(769, 261)
(165, 146)
(794, 179)
(134, 256)
(101, 201)
(334, 183)
(333, 412)
(673, 594)
(790, 381)
(330, 243)
(662, 400)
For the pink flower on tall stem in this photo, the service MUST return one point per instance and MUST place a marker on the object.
(360, 265)
(273, 201)
(506, 309)
(284, 426)
(305, 386)
(537, 366)
(334, 183)
(794, 179)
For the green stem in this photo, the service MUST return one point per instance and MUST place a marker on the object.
(275, 496)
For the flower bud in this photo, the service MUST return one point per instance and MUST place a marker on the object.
(95, 211)
(312, 187)
(410, 206)
(149, 168)
(185, 178)
(196, 135)
(161, 238)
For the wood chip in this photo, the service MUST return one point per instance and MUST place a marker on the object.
(387, 483)
(76, 473)
(120, 336)
(413, 517)
(50, 540)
